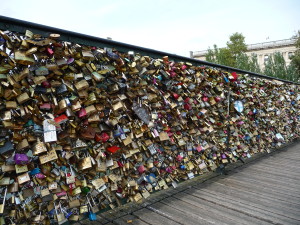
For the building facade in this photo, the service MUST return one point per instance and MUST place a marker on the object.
(263, 51)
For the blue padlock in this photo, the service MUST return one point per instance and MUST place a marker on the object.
(92, 216)
(35, 171)
(182, 167)
(226, 79)
(67, 215)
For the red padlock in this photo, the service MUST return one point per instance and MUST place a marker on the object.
(61, 119)
(187, 107)
(175, 95)
(46, 84)
(217, 99)
(104, 137)
(187, 100)
(205, 99)
(113, 149)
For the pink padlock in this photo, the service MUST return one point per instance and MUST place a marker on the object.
(183, 67)
(179, 158)
(199, 148)
(60, 194)
(169, 170)
(81, 113)
(141, 169)
(40, 176)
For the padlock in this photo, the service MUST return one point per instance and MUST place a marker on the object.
(94, 207)
(13, 188)
(39, 147)
(74, 203)
(85, 163)
(83, 209)
(21, 159)
(70, 177)
(3, 202)
(60, 217)
(23, 178)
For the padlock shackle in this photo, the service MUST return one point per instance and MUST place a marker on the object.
(12, 24)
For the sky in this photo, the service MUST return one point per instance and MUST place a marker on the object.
(172, 26)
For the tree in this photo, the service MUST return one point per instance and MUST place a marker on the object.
(276, 67)
(236, 44)
(249, 63)
(228, 56)
(296, 57)
(210, 56)
(225, 57)
(234, 55)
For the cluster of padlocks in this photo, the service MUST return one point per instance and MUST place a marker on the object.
(85, 128)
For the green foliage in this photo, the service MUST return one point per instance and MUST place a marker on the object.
(276, 67)
(225, 57)
(236, 44)
(210, 56)
(296, 58)
(249, 63)
(234, 55)
(228, 56)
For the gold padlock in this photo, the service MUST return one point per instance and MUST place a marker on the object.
(23, 98)
(23, 178)
(83, 209)
(23, 59)
(39, 147)
(81, 85)
(21, 168)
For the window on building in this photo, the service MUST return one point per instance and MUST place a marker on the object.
(290, 54)
(266, 58)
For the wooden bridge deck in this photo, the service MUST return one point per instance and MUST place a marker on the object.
(263, 191)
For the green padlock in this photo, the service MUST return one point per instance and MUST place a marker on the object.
(85, 190)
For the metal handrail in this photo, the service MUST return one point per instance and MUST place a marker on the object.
(16, 25)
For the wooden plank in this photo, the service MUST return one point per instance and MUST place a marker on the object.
(180, 216)
(219, 211)
(282, 175)
(199, 213)
(151, 217)
(236, 204)
(262, 180)
(203, 211)
(267, 186)
(281, 166)
(266, 191)
(257, 198)
(284, 164)
(129, 220)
